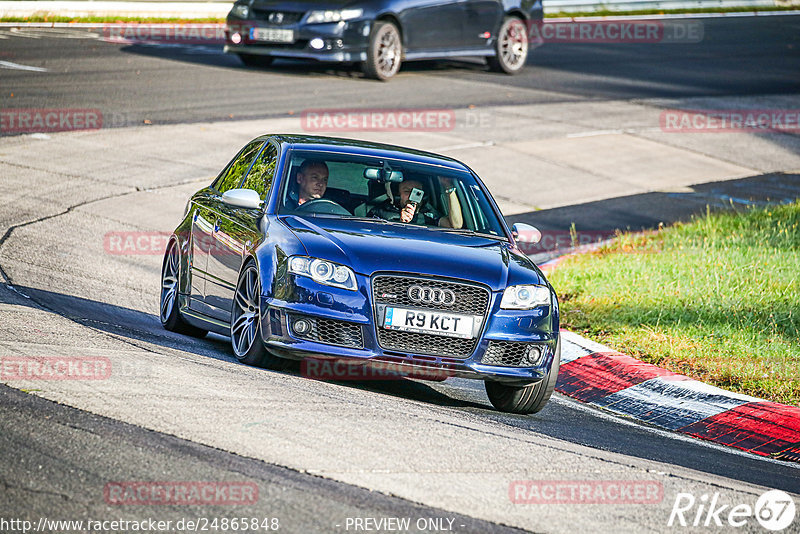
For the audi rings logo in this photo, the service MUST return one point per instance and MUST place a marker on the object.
(275, 18)
(431, 295)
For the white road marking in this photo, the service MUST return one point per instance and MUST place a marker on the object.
(17, 66)
(465, 146)
(613, 132)
(57, 33)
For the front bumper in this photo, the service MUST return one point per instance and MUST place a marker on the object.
(354, 309)
(345, 41)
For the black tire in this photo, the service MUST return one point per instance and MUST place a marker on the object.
(525, 399)
(252, 60)
(246, 341)
(385, 52)
(170, 315)
(511, 47)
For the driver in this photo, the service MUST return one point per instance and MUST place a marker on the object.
(312, 182)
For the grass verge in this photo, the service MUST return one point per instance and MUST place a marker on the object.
(717, 298)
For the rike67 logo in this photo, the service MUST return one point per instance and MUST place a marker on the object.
(774, 510)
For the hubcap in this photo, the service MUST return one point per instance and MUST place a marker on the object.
(169, 284)
(244, 324)
(514, 44)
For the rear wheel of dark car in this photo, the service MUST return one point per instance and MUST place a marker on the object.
(246, 322)
(253, 60)
(385, 51)
(511, 47)
(170, 282)
(525, 399)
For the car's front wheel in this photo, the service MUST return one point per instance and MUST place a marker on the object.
(170, 276)
(253, 60)
(511, 47)
(246, 322)
(385, 51)
(525, 399)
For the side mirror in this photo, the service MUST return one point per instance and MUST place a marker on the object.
(242, 198)
(525, 233)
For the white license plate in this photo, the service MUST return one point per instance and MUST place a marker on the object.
(273, 35)
(429, 322)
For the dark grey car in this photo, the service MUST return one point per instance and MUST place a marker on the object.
(381, 34)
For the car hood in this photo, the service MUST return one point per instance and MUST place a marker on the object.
(369, 247)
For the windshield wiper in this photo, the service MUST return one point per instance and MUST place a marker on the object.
(467, 231)
(365, 219)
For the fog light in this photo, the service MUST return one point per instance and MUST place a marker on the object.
(316, 43)
(534, 355)
(236, 38)
(301, 326)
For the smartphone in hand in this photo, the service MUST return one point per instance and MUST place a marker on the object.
(415, 197)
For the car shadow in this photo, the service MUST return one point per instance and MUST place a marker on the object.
(212, 55)
(559, 419)
(134, 325)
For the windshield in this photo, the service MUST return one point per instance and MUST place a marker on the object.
(321, 184)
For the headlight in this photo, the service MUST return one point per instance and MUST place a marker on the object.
(240, 10)
(333, 16)
(525, 297)
(323, 271)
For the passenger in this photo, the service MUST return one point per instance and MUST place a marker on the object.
(425, 214)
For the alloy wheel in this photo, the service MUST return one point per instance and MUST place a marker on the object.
(514, 44)
(246, 312)
(388, 52)
(169, 284)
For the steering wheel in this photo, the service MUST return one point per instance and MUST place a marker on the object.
(323, 205)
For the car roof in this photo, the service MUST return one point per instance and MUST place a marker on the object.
(366, 148)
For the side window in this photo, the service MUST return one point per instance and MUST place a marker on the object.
(263, 171)
(233, 175)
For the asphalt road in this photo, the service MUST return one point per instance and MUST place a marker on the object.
(164, 84)
(311, 447)
(65, 458)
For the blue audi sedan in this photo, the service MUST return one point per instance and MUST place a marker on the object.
(367, 255)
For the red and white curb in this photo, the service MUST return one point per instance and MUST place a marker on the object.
(600, 376)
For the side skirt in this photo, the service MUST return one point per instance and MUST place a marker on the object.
(200, 320)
